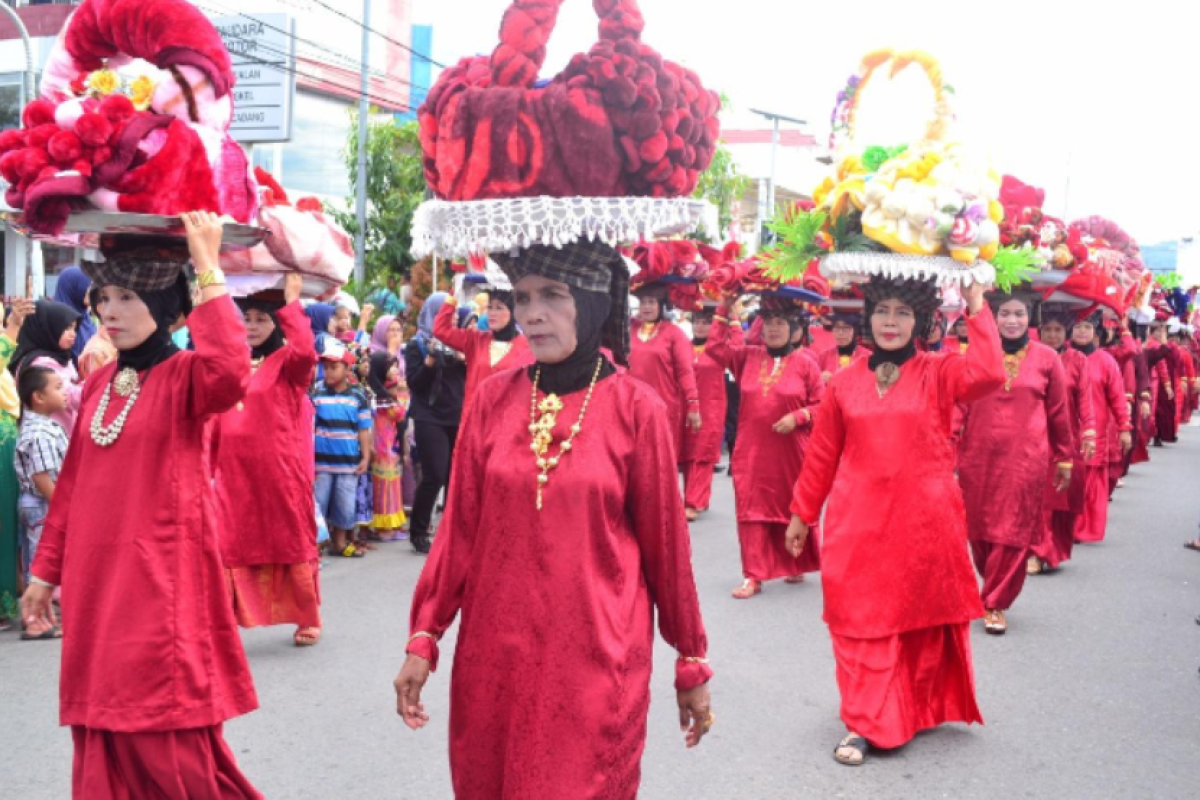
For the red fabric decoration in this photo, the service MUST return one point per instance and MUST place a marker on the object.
(311, 205)
(618, 121)
(11, 139)
(166, 33)
(94, 130)
(65, 148)
(39, 112)
(276, 196)
(178, 176)
(117, 109)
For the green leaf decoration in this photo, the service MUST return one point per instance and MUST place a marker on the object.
(848, 237)
(874, 157)
(795, 244)
(1169, 280)
(1016, 265)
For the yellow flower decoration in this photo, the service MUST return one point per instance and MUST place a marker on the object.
(141, 92)
(103, 82)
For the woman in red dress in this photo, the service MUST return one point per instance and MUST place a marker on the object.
(661, 357)
(781, 389)
(560, 559)
(1111, 410)
(1010, 441)
(498, 348)
(152, 664)
(1062, 508)
(848, 348)
(702, 448)
(1163, 370)
(264, 473)
(898, 584)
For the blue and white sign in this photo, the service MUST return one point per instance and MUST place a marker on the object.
(263, 50)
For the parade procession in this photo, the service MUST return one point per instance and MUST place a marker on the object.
(511, 415)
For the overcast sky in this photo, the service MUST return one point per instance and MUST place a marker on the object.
(1108, 88)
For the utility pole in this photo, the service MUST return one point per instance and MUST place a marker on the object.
(775, 120)
(360, 255)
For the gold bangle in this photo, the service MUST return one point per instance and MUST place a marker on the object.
(36, 581)
(211, 277)
(1065, 465)
(717, 318)
(420, 635)
(692, 659)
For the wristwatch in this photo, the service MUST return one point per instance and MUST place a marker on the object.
(212, 277)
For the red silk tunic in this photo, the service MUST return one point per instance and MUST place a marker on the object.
(1083, 420)
(830, 360)
(765, 463)
(551, 682)
(894, 545)
(1109, 405)
(665, 364)
(264, 457)
(1010, 440)
(132, 537)
(705, 446)
(476, 345)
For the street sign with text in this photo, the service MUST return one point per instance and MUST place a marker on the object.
(262, 48)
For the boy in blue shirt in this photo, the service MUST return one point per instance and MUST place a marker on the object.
(342, 428)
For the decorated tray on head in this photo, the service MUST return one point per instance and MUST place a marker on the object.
(925, 210)
(610, 148)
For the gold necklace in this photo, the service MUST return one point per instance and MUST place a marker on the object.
(1012, 366)
(886, 376)
(767, 382)
(542, 430)
(648, 331)
(127, 385)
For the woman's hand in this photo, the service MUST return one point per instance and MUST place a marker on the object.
(695, 713)
(293, 285)
(364, 319)
(1088, 448)
(1145, 409)
(204, 232)
(786, 424)
(21, 308)
(973, 294)
(1126, 440)
(408, 684)
(694, 422)
(796, 537)
(1062, 477)
(37, 610)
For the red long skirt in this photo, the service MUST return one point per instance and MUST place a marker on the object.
(276, 594)
(697, 484)
(1092, 522)
(1059, 539)
(765, 556)
(193, 764)
(1003, 571)
(898, 685)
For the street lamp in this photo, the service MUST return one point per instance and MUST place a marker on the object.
(775, 120)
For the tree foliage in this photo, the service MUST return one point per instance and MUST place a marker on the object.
(722, 185)
(395, 187)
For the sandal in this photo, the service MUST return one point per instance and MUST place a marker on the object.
(994, 622)
(350, 551)
(794, 579)
(1192, 545)
(47, 635)
(858, 748)
(691, 514)
(748, 589)
(307, 637)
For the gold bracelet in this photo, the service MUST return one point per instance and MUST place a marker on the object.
(1065, 465)
(211, 277)
(420, 635)
(36, 581)
(717, 318)
(692, 659)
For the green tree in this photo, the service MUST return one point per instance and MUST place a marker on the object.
(395, 187)
(722, 185)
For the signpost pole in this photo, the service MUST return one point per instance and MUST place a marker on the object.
(360, 255)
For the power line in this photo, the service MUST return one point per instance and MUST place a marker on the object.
(292, 70)
(383, 36)
(222, 9)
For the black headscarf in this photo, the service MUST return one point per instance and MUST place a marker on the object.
(1096, 320)
(41, 333)
(574, 373)
(273, 342)
(793, 319)
(659, 292)
(166, 306)
(921, 296)
(380, 365)
(704, 313)
(509, 331)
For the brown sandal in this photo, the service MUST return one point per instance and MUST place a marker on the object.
(748, 589)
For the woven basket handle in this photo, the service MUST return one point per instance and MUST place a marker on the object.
(527, 26)
(936, 128)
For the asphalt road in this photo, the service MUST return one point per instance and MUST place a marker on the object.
(1093, 693)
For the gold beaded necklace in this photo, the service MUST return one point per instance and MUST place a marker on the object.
(1012, 366)
(648, 331)
(767, 382)
(542, 429)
